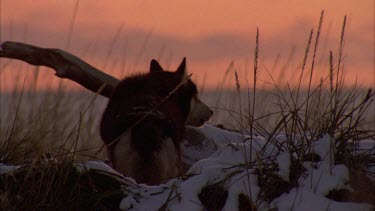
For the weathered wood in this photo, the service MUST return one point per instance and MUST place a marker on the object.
(65, 65)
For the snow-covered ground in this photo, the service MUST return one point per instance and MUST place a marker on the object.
(218, 156)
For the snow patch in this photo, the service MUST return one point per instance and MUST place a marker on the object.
(95, 165)
(283, 160)
(305, 199)
(5, 169)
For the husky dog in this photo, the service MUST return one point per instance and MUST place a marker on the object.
(145, 119)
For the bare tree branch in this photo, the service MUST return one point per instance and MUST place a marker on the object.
(65, 64)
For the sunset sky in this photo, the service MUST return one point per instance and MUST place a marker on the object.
(121, 37)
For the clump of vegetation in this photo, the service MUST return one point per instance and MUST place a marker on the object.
(303, 117)
(48, 184)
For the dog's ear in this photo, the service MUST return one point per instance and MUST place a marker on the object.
(182, 70)
(155, 66)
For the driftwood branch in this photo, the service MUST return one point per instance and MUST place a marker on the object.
(65, 64)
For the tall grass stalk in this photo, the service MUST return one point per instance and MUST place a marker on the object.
(111, 46)
(256, 55)
(304, 62)
(252, 113)
(331, 132)
(339, 61)
(313, 63)
(71, 25)
(221, 85)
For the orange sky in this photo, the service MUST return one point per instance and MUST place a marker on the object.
(124, 35)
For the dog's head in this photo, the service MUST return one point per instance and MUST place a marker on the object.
(196, 112)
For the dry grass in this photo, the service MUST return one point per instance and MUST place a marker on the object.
(50, 184)
(346, 114)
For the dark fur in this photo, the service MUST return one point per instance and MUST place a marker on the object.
(132, 100)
